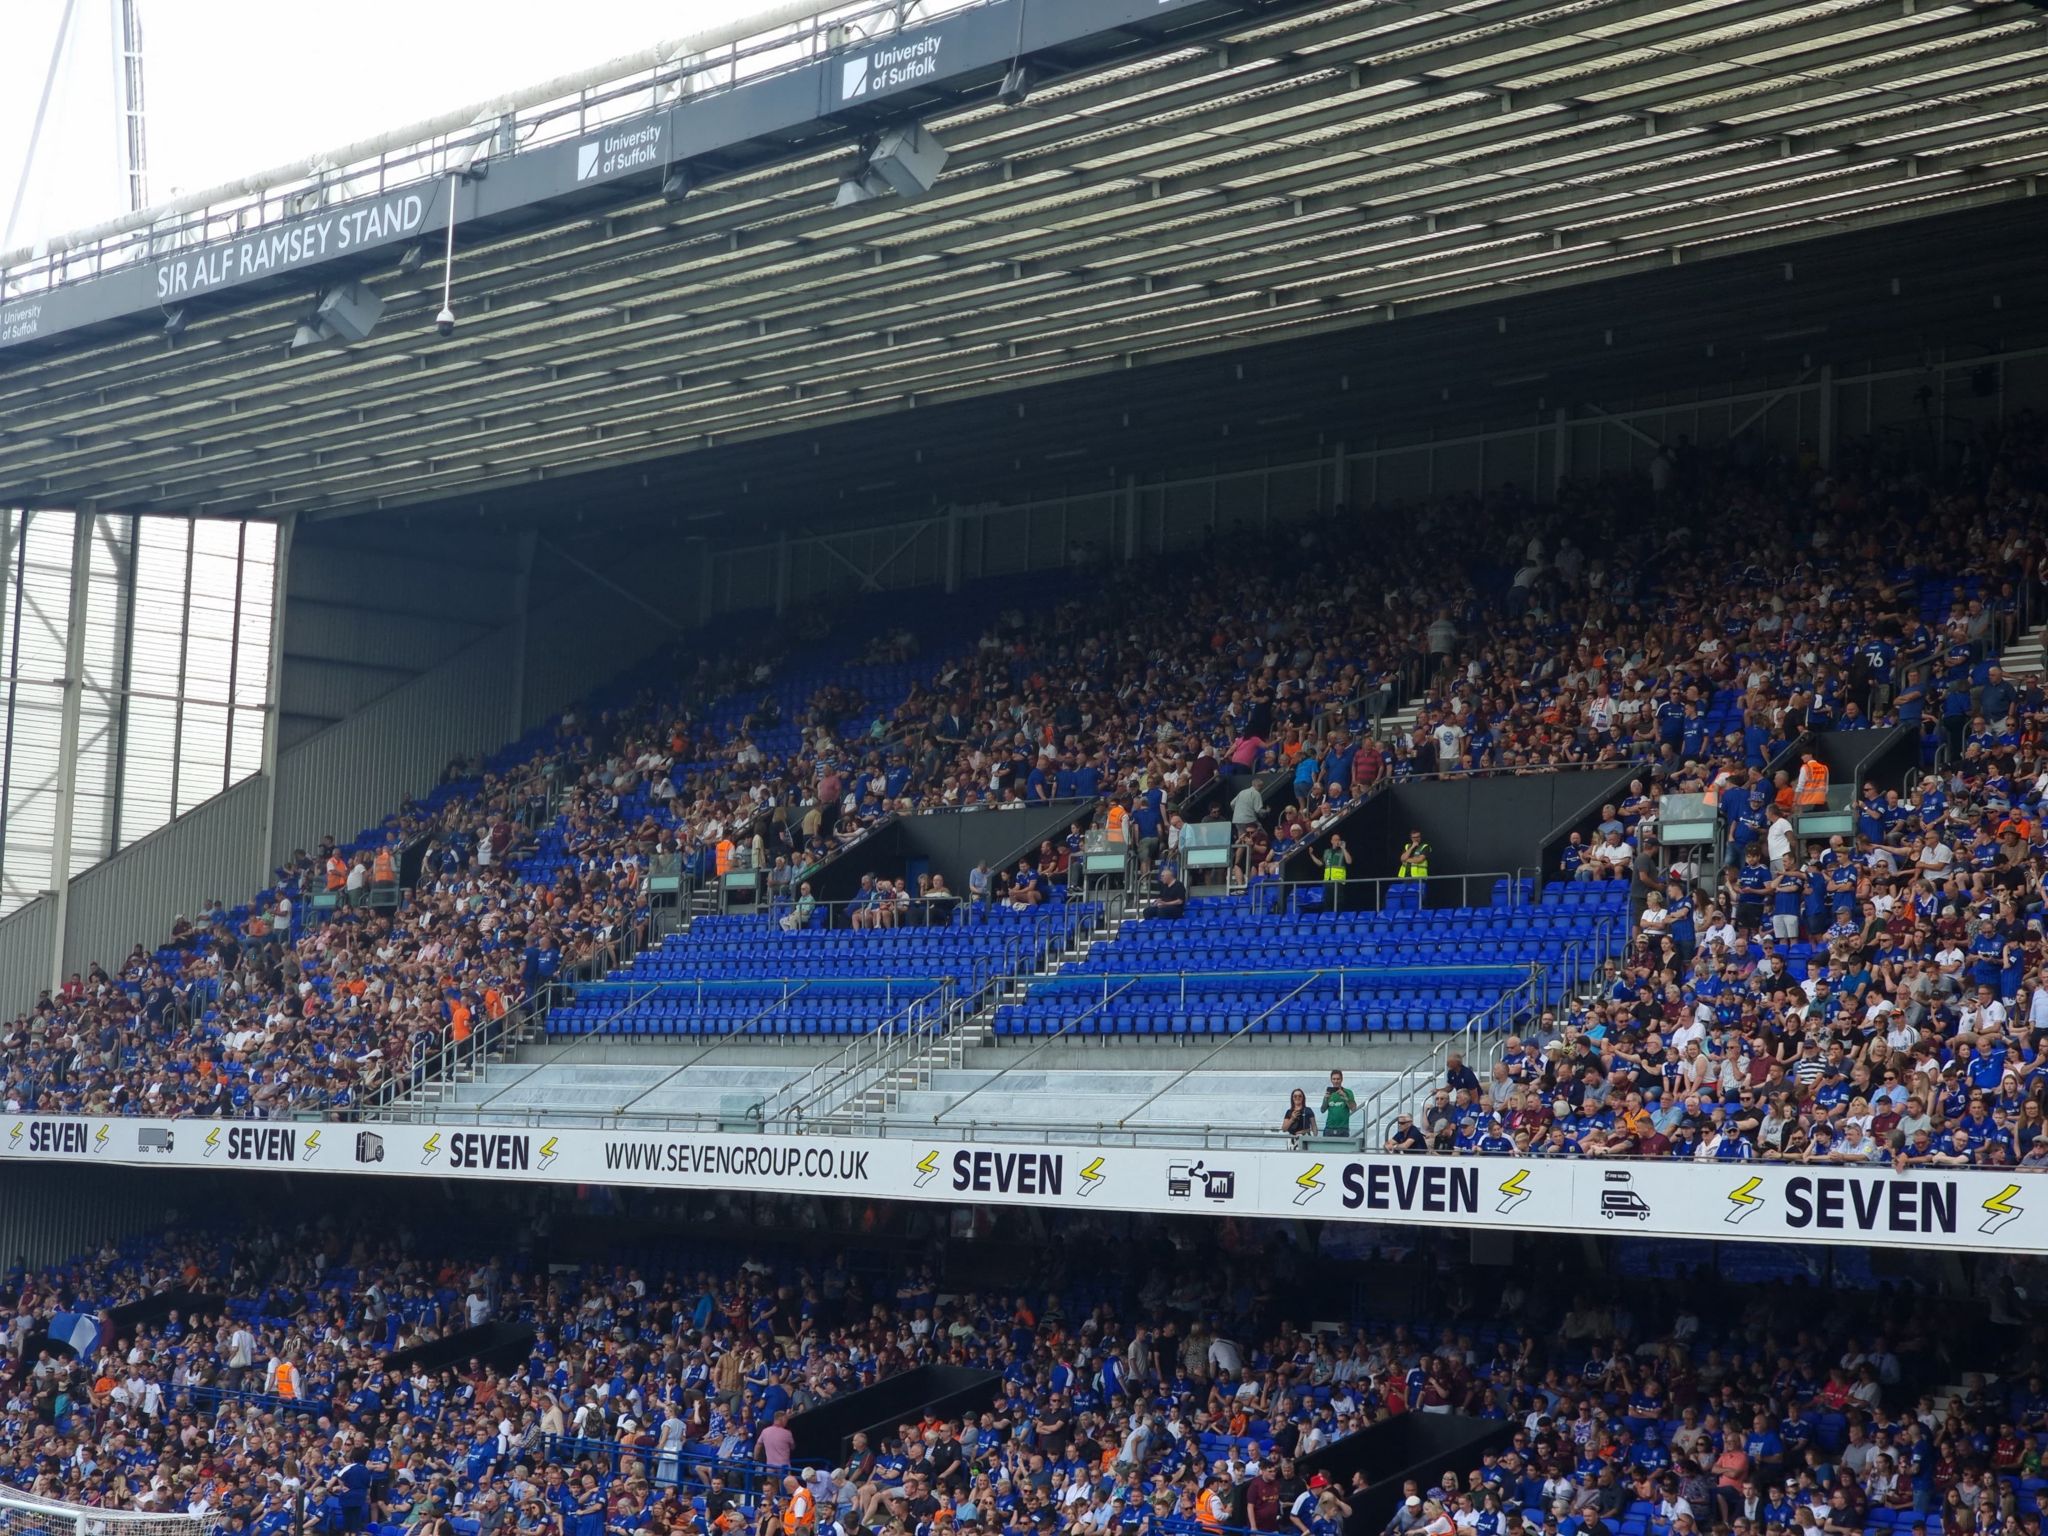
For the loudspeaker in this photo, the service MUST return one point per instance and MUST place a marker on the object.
(908, 159)
(350, 312)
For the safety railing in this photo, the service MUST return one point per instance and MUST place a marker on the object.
(449, 1055)
(565, 108)
(215, 1399)
(693, 1463)
(1279, 896)
(1353, 983)
(866, 1061)
(1061, 1033)
(1476, 1041)
(1251, 1026)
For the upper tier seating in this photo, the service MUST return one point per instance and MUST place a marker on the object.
(732, 975)
(1231, 963)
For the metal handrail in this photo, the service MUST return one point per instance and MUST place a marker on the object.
(1057, 1034)
(1250, 1025)
(710, 62)
(1470, 1039)
(861, 1054)
(729, 1037)
(573, 1042)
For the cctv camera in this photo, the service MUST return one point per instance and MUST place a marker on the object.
(444, 322)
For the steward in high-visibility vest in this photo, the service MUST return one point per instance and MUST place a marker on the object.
(1414, 863)
(337, 872)
(383, 871)
(1117, 817)
(1336, 870)
(1811, 791)
(724, 855)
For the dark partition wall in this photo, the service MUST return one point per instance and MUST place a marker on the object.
(936, 1391)
(1417, 1445)
(1498, 822)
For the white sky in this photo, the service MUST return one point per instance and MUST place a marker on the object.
(236, 86)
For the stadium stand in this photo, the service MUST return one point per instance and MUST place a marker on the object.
(1642, 1399)
(1138, 687)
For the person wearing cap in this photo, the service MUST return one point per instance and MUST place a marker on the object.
(1408, 1516)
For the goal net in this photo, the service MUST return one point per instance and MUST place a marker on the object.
(23, 1514)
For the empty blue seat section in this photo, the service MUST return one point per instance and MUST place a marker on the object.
(732, 975)
(1232, 963)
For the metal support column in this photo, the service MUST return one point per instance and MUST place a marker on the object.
(273, 691)
(782, 572)
(952, 550)
(1131, 539)
(522, 614)
(707, 583)
(1824, 425)
(1340, 476)
(67, 738)
(1560, 449)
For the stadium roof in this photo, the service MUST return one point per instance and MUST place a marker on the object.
(1242, 177)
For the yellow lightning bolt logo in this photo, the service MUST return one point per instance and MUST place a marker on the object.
(1308, 1184)
(14, 1134)
(430, 1149)
(927, 1169)
(99, 1140)
(1744, 1201)
(1514, 1190)
(312, 1145)
(1091, 1177)
(549, 1151)
(2000, 1212)
(212, 1141)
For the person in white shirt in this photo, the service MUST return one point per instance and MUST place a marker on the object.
(1778, 839)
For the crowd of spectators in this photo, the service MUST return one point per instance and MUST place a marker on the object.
(1163, 1398)
(1589, 630)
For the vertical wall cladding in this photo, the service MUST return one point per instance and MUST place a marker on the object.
(26, 935)
(586, 625)
(130, 899)
(51, 1214)
(354, 774)
(370, 605)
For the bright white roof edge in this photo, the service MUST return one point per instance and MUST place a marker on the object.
(759, 24)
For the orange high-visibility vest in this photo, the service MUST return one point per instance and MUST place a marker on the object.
(1811, 792)
(287, 1379)
(796, 1514)
(724, 853)
(458, 1020)
(382, 870)
(1117, 817)
(337, 872)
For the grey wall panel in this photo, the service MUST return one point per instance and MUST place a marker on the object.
(584, 630)
(215, 849)
(322, 689)
(317, 628)
(51, 1214)
(25, 938)
(353, 774)
(376, 568)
